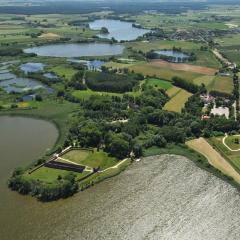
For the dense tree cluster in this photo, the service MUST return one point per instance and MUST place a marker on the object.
(187, 85)
(109, 82)
(61, 188)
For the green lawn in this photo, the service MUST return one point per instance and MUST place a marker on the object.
(49, 175)
(64, 71)
(92, 159)
(158, 83)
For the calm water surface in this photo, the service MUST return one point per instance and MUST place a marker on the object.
(165, 197)
(118, 29)
(77, 50)
(176, 54)
(32, 67)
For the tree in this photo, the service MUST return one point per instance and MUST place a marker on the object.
(118, 147)
(104, 30)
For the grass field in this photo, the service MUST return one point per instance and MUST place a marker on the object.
(214, 157)
(49, 175)
(91, 159)
(230, 141)
(206, 80)
(64, 71)
(163, 44)
(86, 94)
(177, 102)
(158, 83)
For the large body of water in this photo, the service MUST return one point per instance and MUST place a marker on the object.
(118, 29)
(165, 197)
(77, 50)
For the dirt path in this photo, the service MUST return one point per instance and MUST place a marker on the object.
(214, 158)
(223, 59)
(115, 166)
(184, 67)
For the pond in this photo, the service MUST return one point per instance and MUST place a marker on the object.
(11, 83)
(119, 30)
(176, 56)
(91, 65)
(32, 67)
(77, 50)
(50, 76)
(19, 85)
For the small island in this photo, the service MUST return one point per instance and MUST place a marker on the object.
(104, 30)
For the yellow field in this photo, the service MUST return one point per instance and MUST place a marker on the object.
(177, 103)
(173, 91)
(214, 158)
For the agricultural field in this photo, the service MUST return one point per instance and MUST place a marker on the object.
(173, 91)
(149, 69)
(221, 84)
(177, 102)
(184, 67)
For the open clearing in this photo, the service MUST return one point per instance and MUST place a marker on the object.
(177, 102)
(158, 83)
(184, 67)
(215, 159)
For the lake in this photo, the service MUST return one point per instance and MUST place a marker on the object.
(179, 56)
(120, 30)
(165, 197)
(77, 50)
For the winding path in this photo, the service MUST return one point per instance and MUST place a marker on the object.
(224, 143)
